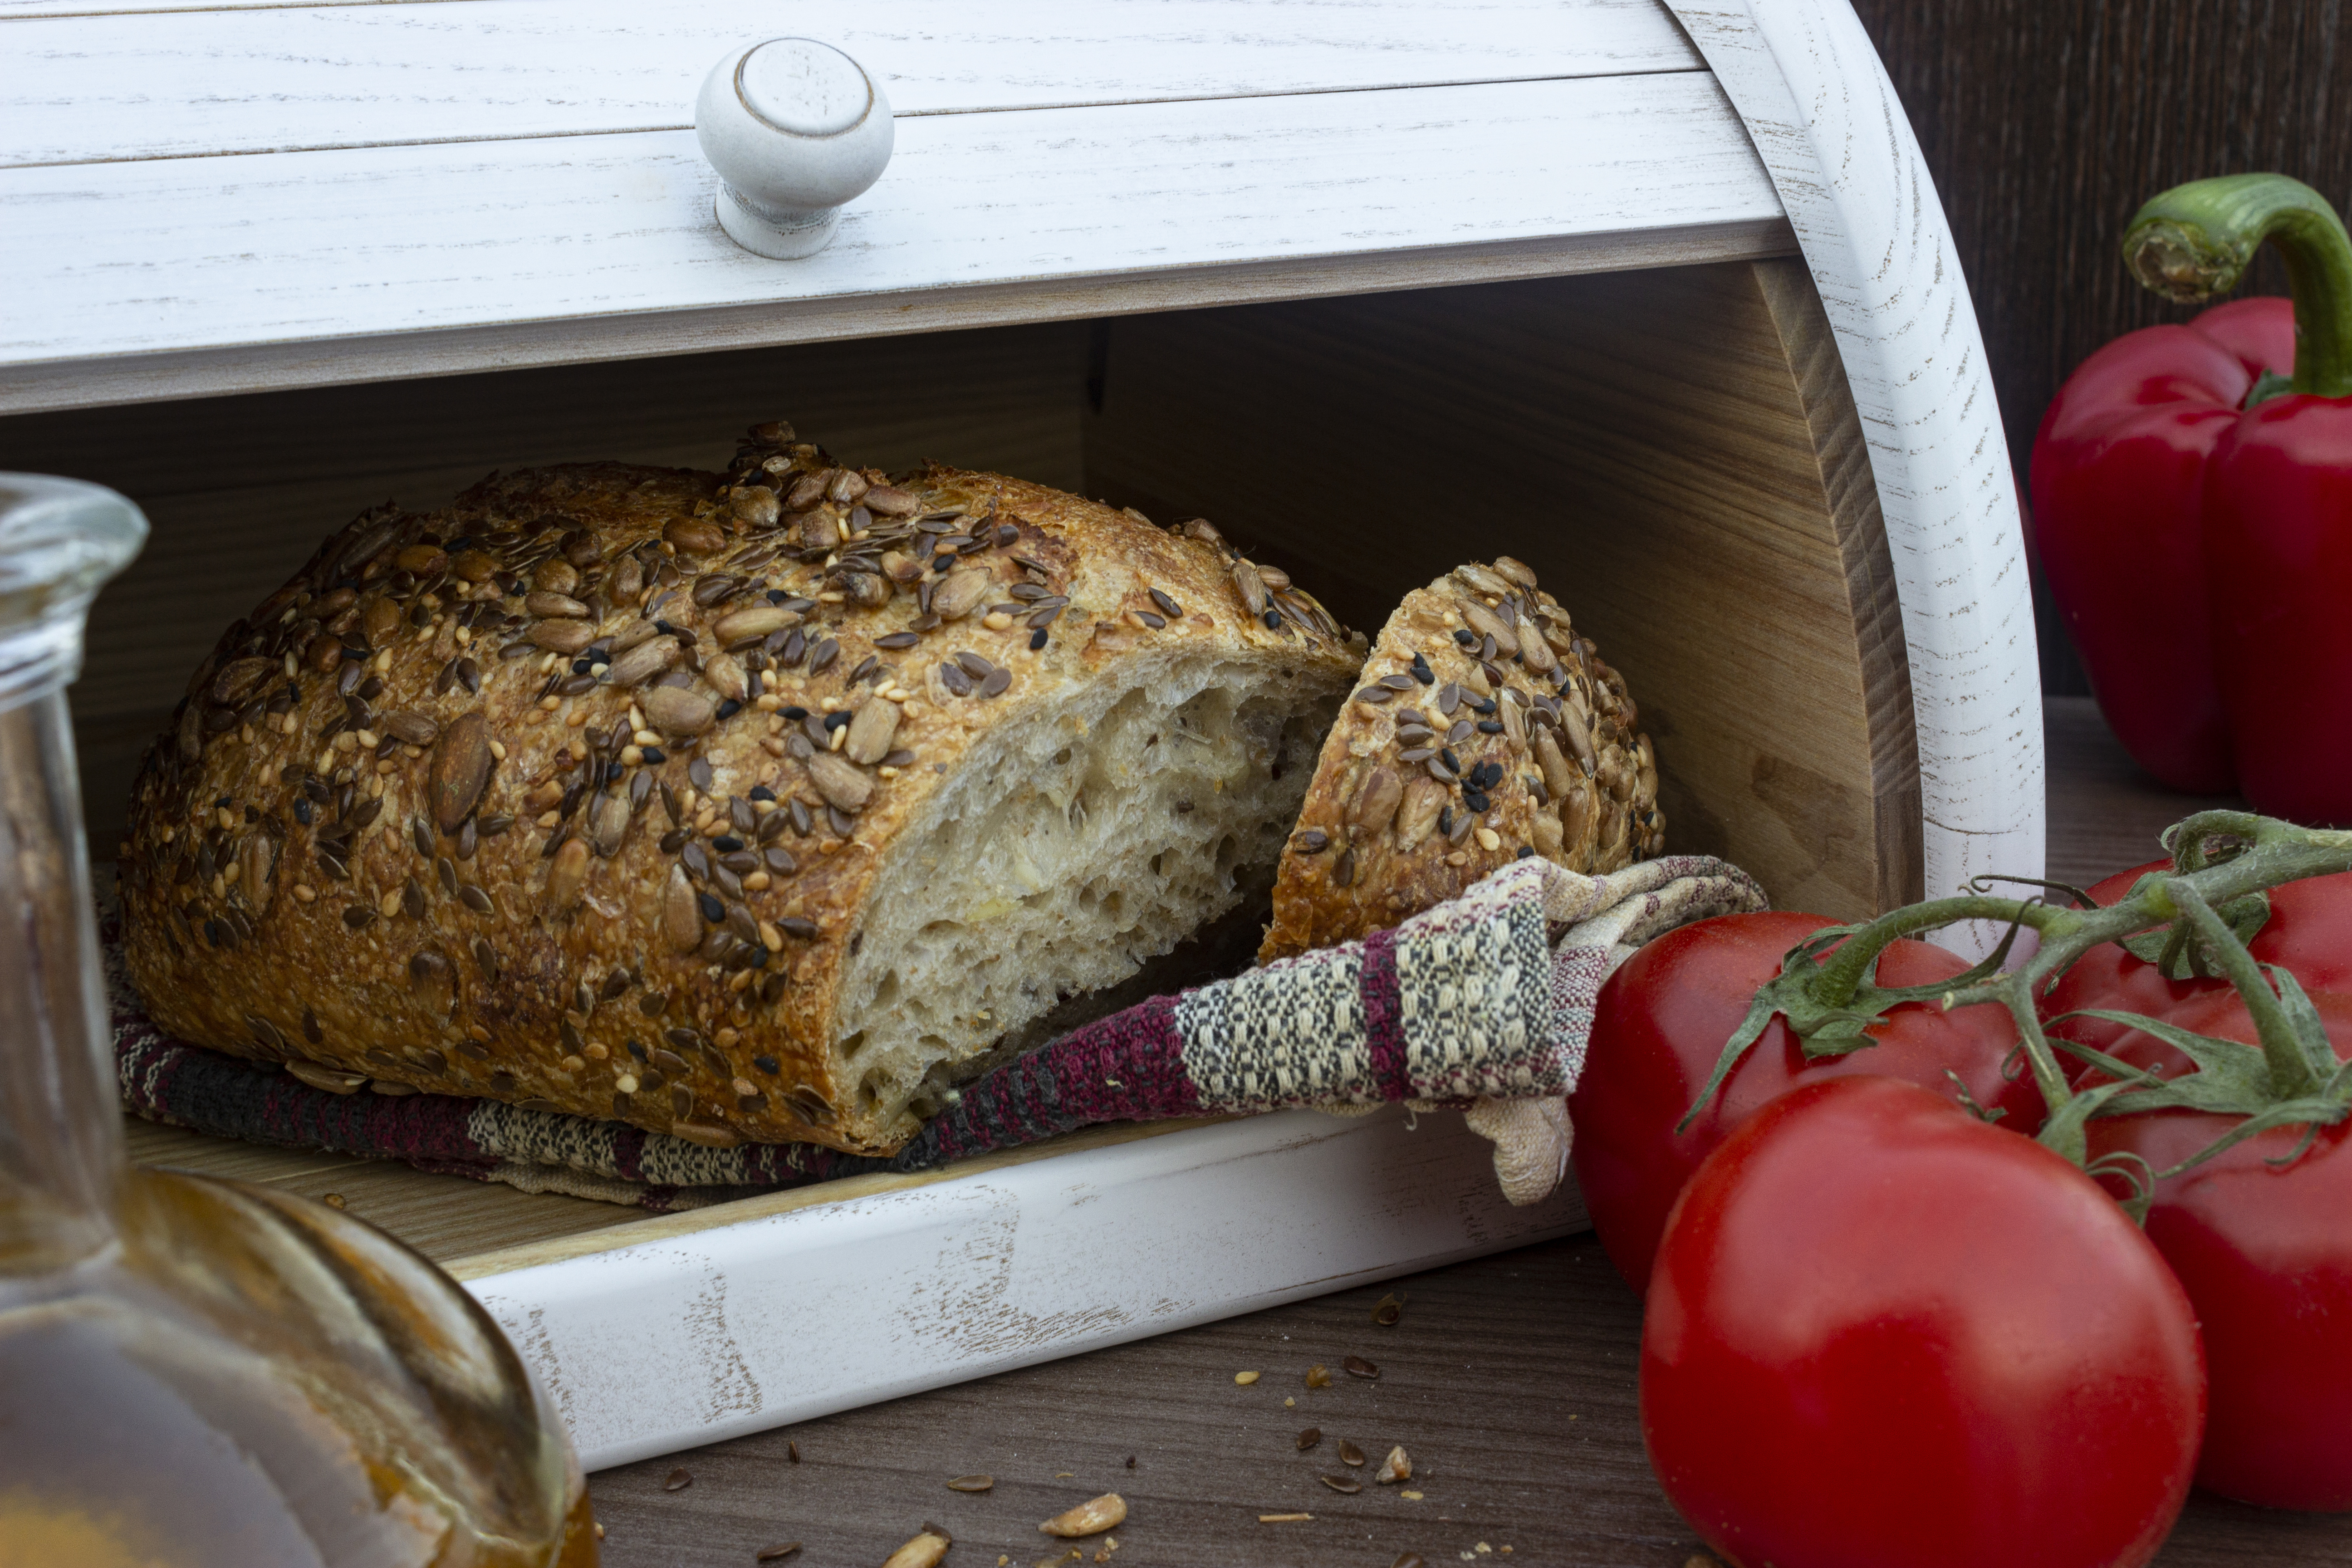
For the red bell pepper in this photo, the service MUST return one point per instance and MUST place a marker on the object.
(2192, 507)
(2118, 473)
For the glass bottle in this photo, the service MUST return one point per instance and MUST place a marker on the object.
(199, 1373)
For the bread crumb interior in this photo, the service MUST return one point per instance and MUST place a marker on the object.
(1071, 846)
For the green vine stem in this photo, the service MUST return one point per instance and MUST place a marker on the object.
(2291, 1075)
(1828, 992)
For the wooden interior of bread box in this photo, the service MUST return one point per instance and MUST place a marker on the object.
(1674, 451)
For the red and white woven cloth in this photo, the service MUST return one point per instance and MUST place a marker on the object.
(1484, 1002)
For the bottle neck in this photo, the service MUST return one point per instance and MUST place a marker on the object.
(60, 1133)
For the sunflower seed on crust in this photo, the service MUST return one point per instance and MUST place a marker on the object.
(334, 1080)
(840, 782)
(644, 662)
(675, 710)
(461, 766)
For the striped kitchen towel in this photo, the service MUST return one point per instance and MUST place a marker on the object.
(1484, 1002)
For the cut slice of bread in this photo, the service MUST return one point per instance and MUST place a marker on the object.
(1483, 728)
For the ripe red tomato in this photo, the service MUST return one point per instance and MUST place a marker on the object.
(1659, 1026)
(1880, 1331)
(2309, 933)
(2265, 1253)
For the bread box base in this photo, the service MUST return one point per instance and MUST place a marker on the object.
(662, 1333)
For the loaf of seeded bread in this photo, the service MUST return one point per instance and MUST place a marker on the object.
(754, 805)
(1485, 728)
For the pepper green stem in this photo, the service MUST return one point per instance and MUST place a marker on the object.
(2195, 241)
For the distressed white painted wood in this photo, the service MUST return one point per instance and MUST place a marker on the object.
(141, 85)
(1826, 121)
(509, 181)
(182, 276)
(741, 1327)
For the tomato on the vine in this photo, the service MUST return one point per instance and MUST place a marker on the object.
(1882, 1331)
(2265, 1252)
(1660, 1024)
(2309, 933)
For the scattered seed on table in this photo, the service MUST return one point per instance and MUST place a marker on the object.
(1348, 1484)
(1284, 1518)
(1411, 1559)
(793, 1452)
(1130, 1461)
(1357, 1366)
(1308, 1438)
(1397, 1466)
(1244, 1378)
(1091, 1517)
(677, 1479)
(1350, 1454)
(1391, 1309)
(923, 1551)
(776, 1553)
(1318, 1377)
(333, 1200)
(971, 1483)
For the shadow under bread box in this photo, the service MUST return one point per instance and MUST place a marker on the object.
(1372, 307)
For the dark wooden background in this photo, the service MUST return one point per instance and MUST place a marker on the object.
(2047, 123)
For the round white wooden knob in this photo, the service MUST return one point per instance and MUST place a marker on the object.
(795, 129)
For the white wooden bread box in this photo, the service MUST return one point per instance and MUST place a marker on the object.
(1654, 295)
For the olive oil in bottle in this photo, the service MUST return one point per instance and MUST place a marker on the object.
(197, 1373)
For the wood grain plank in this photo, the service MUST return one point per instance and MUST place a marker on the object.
(1646, 442)
(95, 87)
(444, 1218)
(1511, 1381)
(239, 490)
(172, 277)
(1850, 501)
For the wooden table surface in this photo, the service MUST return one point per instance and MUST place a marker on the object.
(1509, 1380)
